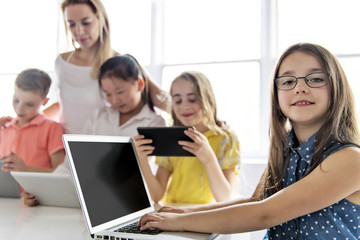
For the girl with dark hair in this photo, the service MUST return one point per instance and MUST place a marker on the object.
(126, 89)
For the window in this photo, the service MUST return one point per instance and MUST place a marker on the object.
(211, 31)
(215, 38)
(29, 40)
(351, 67)
(327, 23)
(130, 26)
(234, 43)
(331, 27)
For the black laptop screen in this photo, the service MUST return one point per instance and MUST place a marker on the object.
(110, 179)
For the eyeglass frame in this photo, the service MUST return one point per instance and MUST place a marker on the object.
(296, 81)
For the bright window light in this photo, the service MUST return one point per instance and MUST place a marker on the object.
(130, 24)
(29, 35)
(211, 30)
(329, 23)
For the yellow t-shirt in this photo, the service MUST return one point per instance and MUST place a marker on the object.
(189, 182)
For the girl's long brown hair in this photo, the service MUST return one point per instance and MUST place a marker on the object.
(340, 121)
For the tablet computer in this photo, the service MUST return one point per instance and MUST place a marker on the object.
(9, 188)
(165, 140)
(51, 189)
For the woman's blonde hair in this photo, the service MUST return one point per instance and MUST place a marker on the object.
(205, 95)
(104, 50)
(340, 120)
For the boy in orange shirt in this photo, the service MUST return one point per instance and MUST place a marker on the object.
(30, 142)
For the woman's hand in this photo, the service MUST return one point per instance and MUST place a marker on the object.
(200, 147)
(142, 146)
(29, 200)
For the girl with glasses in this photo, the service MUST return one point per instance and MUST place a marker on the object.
(310, 188)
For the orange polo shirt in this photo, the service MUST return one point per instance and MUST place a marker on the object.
(33, 142)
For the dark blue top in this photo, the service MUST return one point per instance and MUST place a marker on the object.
(338, 221)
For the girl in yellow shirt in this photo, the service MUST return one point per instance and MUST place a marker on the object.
(211, 174)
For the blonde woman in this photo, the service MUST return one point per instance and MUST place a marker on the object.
(77, 71)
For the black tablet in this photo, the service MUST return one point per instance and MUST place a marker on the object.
(165, 140)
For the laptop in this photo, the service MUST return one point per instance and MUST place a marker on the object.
(111, 188)
(50, 189)
(9, 188)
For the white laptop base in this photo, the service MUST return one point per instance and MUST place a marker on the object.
(111, 188)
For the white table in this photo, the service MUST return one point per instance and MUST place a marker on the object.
(18, 222)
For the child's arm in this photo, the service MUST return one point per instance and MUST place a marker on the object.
(15, 163)
(57, 158)
(221, 182)
(204, 207)
(335, 179)
(212, 206)
(157, 184)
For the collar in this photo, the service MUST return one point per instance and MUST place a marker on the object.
(145, 113)
(36, 121)
(209, 133)
(305, 150)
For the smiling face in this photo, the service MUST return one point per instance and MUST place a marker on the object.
(83, 24)
(186, 105)
(125, 96)
(303, 105)
(26, 105)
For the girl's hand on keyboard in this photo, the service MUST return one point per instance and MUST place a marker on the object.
(163, 221)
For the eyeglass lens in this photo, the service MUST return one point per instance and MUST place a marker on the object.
(313, 80)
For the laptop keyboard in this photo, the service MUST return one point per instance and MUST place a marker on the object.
(134, 228)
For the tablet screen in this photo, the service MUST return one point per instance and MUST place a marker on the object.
(165, 140)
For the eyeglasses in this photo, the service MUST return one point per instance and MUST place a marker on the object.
(313, 80)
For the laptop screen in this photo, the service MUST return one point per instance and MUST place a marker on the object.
(110, 179)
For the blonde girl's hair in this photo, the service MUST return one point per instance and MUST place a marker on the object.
(104, 50)
(127, 68)
(205, 95)
(340, 123)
